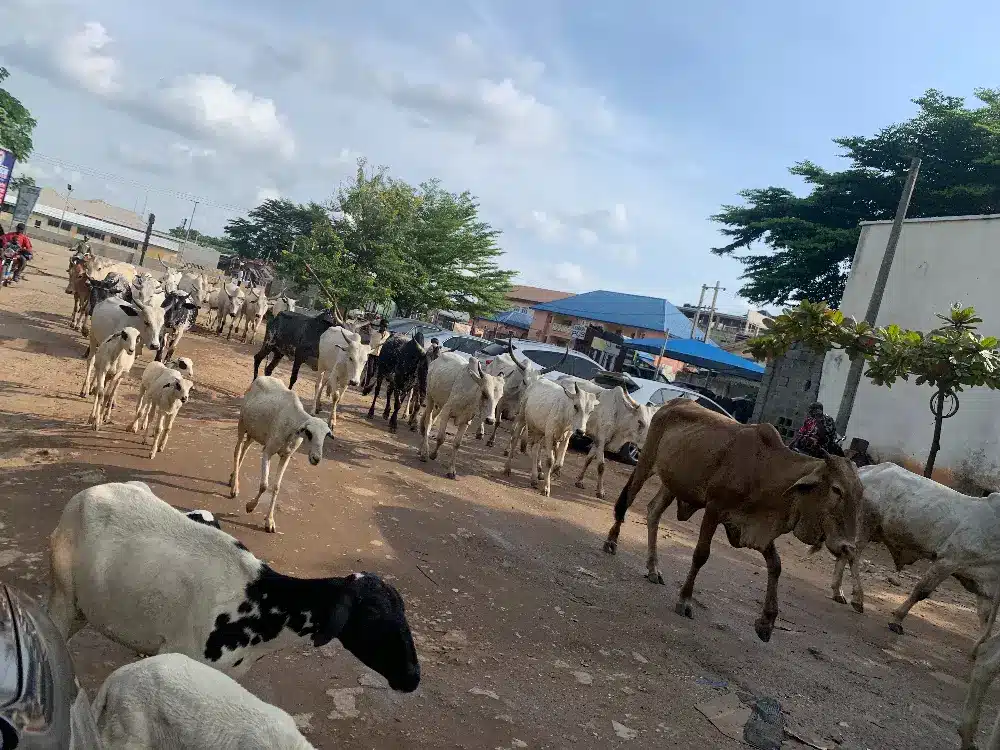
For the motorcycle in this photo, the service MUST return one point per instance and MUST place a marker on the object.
(7, 257)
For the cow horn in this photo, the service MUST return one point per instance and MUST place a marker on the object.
(510, 350)
(162, 263)
(629, 400)
(557, 364)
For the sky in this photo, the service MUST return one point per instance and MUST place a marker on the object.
(599, 137)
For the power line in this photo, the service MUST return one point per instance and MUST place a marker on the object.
(102, 175)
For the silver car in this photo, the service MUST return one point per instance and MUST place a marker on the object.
(42, 706)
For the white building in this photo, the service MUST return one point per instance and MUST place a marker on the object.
(938, 262)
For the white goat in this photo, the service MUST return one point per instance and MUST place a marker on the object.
(341, 359)
(114, 358)
(147, 577)
(165, 397)
(550, 413)
(460, 390)
(154, 370)
(273, 416)
(173, 701)
(615, 421)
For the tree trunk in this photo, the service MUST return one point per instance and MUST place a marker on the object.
(938, 411)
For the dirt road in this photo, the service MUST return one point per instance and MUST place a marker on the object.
(529, 635)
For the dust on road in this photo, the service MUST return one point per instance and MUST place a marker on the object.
(529, 635)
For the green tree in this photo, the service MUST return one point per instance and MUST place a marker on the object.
(949, 359)
(16, 123)
(800, 247)
(205, 240)
(271, 228)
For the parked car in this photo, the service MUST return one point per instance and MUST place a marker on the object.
(42, 706)
(647, 393)
(544, 355)
(409, 326)
(464, 344)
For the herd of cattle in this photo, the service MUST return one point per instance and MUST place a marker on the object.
(204, 595)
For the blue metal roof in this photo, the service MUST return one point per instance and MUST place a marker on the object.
(513, 318)
(701, 354)
(634, 310)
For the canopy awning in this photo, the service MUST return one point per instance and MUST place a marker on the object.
(701, 354)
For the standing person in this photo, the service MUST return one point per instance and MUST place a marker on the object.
(817, 435)
(20, 239)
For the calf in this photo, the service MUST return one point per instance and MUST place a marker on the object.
(114, 358)
(402, 363)
(79, 287)
(918, 519)
(549, 413)
(297, 336)
(171, 700)
(748, 481)
(164, 399)
(272, 416)
(460, 390)
(231, 300)
(142, 574)
(281, 303)
(616, 421)
(342, 357)
(115, 314)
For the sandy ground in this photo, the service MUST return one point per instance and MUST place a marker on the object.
(529, 635)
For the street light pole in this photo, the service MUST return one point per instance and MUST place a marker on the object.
(69, 192)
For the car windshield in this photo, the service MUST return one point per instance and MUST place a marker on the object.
(494, 350)
(580, 367)
(610, 380)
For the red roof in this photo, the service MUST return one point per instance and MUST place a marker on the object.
(535, 294)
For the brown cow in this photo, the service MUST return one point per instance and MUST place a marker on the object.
(79, 287)
(748, 481)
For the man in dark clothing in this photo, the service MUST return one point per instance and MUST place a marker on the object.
(817, 435)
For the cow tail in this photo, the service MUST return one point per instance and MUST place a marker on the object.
(621, 505)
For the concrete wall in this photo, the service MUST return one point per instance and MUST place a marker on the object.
(938, 262)
(791, 383)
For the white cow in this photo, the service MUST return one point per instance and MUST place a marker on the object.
(282, 303)
(146, 290)
(550, 413)
(115, 357)
(171, 278)
(341, 359)
(231, 299)
(918, 519)
(616, 421)
(273, 416)
(460, 390)
(171, 700)
(98, 268)
(254, 309)
(197, 286)
(115, 314)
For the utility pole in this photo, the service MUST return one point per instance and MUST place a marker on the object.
(697, 312)
(858, 363)
(711, 314)
(145, 240)
(187, 231)
(69, 192)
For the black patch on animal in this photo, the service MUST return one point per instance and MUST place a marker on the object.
(237, 662)
(197, 517)
(365, 613)
(403, 364)
(241, 545)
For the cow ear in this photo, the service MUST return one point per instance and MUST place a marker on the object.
(166, 302)
(810, 480)
(129, 310)
(190, 306)
(339, 615)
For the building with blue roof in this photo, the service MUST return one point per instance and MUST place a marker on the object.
(629, 315)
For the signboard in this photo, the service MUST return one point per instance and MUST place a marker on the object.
(27, 196)
(579, 331)
(6, 167)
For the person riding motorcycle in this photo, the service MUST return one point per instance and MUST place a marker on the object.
(20, 240)
(818, 434)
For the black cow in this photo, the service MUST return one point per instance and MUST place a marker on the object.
(402, 363)
(112, 285)
(295, 335)
(179, 315)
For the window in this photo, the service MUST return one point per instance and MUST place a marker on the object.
(124, 243)
(544, 358)
(38, 223)
(580, 367)
(660, 397)
(53, 223)
(494, 350)
(709, 404)
(90, 233)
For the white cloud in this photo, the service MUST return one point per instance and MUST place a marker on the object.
(588, 236)
(627, 255)
(214, 107)
(267, 194)
(83, 58)
(569, 275)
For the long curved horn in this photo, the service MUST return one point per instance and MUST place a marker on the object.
(162, 263)
(510, 350)
(629, 400)
(557, 364)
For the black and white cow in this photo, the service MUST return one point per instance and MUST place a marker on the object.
(179, 315)
(295, 335)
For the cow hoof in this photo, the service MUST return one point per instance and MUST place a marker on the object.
(556, 470)
(684, 610)
(233, 493)
(270, 528)
(839, 598)
(451, 475)
(490, 444)
(478, 436)
(423, 458)
(506, 452)
(763, 630)
(657, 577)
(413, 428)
(896, 628)
(506, 471)
(250, 506)
(371, 415)
(859, 607)
(600, 495)
(579, 483)
(610, 547)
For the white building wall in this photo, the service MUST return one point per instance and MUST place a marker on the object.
(938, 262)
